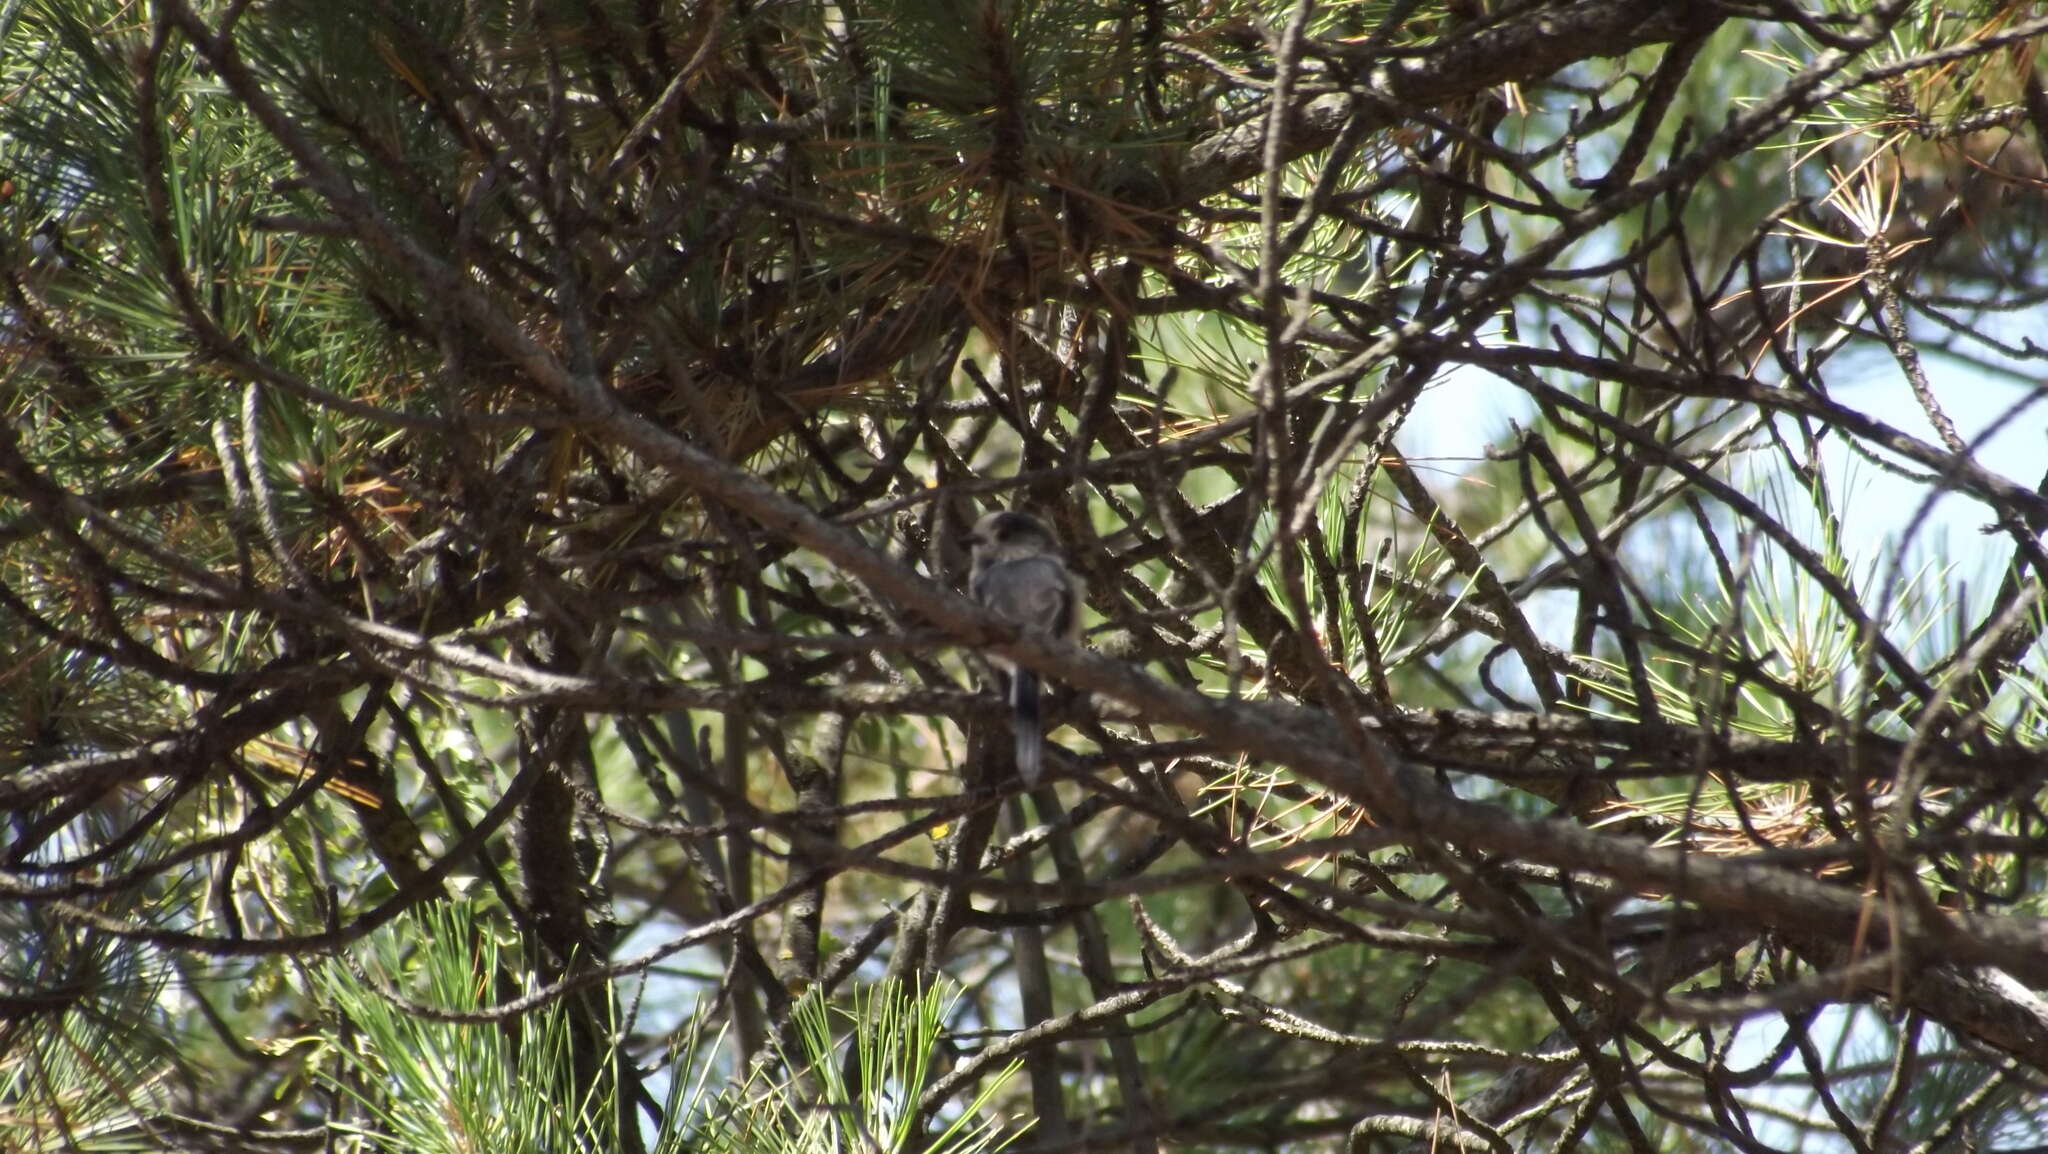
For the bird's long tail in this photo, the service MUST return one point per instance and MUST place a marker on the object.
(1024, 719)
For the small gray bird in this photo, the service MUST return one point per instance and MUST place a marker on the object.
(1018, 575)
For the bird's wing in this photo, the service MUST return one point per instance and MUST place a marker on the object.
(1032, 592)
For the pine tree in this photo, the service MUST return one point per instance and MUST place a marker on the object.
(482, 490)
